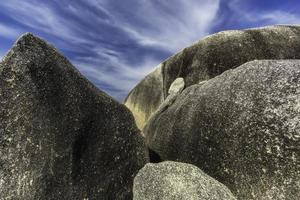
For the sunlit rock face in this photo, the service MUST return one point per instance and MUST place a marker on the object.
(60, 137)
(210, 57)
(177, 181)
(241, 128)
(146, 97)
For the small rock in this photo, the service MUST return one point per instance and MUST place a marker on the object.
(177, 86)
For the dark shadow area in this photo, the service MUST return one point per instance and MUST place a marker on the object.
(79, 148)
(154, 157)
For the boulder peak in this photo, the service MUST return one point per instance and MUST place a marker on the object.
(211, 56)
(61, 137)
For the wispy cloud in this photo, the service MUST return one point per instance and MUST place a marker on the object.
(171, 25)
(116, 43)
(119, 80)
(113, 44)
(280, 17)
(116, 72)
(42, 17)
(9, 32)
(245, 15)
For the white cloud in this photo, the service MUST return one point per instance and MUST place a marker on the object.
(41, 17)
(118, 74)
(270, 17)
(280, 17)
(9, 32)
(169, 30)
(190, 21)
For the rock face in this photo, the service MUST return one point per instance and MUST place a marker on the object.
(146, 97)
(242, 128)
(177, 181)
(60, 137)
(209, 58)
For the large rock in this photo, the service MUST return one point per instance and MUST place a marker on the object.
(177, 181)
(210, 57)
(60, 137)
(242, 128)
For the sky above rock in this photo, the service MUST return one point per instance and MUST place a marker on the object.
(115, 43)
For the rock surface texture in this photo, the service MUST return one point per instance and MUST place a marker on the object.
(177, 181)
(146, 97)
(242, 128)
(60, 137)
(210, 57)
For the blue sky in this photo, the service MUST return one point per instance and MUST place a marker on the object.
(115, 43)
